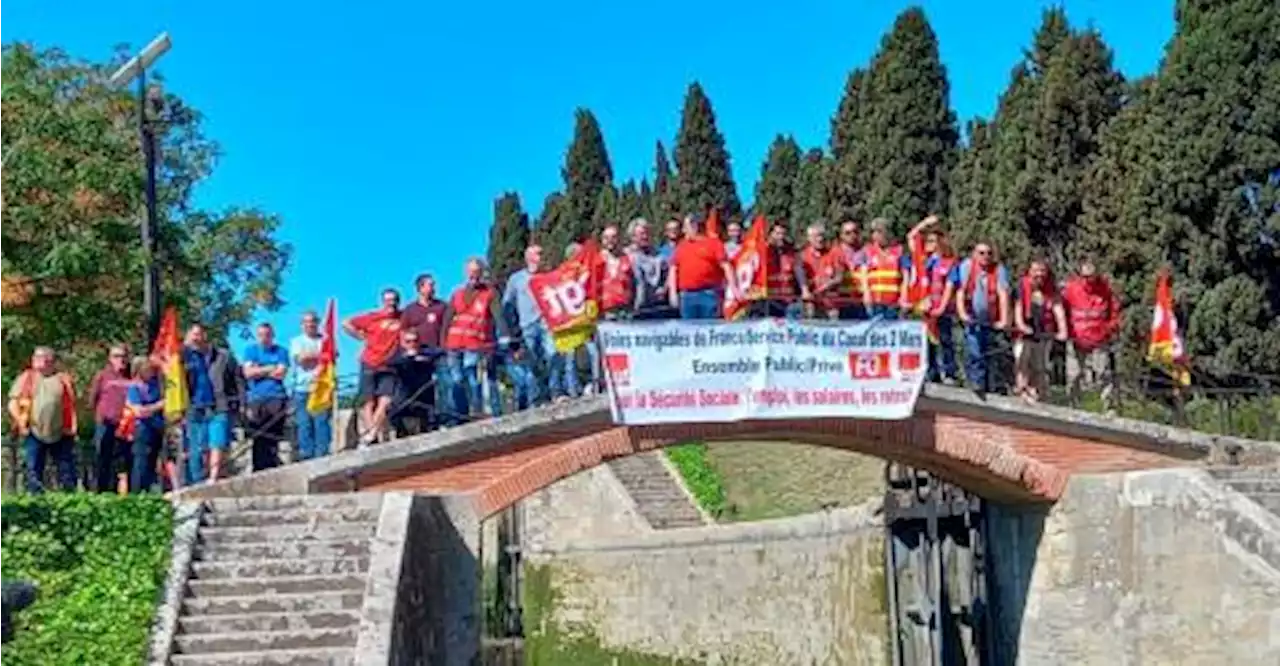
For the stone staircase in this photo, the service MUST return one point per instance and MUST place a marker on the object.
(658, 495)
(1260, 484)
(277, 580)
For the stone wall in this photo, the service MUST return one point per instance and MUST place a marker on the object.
(1158, 567)
(588, 507)
(795, 591)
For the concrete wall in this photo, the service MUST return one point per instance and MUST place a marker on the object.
(1142, 568)
(795, 591)
(588, 507)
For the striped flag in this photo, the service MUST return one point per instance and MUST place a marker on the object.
(168, 354)
(320, 400)
(1166, 348)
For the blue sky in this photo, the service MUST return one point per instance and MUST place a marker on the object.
(382, 132)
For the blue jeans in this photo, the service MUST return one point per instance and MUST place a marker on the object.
(885, 312)
(314, 431)
(542, 351)
(942, 353)
(64, 457)
(207, 430)
(701, 304)
(464, 380)
(146, 450)
(523, 382)
(977, 342)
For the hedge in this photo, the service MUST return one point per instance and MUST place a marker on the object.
(100, 563)
(702, 479)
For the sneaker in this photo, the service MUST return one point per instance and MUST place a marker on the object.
(949, 381)
(589, 391)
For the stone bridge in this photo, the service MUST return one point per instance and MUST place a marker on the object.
(373, 556)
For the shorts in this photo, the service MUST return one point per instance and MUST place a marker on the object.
(378, 382)
(208, 428)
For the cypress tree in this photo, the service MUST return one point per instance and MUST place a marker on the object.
(631, 203)
(508, 237)
(606, 211)
(903, 140)
(586, 174)
(971, 188)
(703, 177)
(775, 189)
(1188, 178)
(809, 194)
(549, 232)
(847, 183)
(1046, 136)
(662, 204)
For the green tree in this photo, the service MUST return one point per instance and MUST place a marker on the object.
(547, 232)
(631, 202)
(775, 191)
(971, 187)
(1045, 137)
(606, 211)
(1188, 178)
(508, 237)
(73, 261)
(662, 203)
(586, 174)
(809, 194)
(901, 133)
(703, 176)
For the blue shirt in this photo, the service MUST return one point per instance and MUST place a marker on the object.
(666, 250)
(197, 367)
(140, 395)
(262, 389)
(518, 296)
(980, 308)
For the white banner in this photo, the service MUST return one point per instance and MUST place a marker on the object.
(699, 372)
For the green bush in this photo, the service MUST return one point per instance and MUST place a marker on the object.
(702, 479)
(100, 562)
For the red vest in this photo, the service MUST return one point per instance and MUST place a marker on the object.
(26, 396)
(471, 328)
(1089, 312)
(884, 274)
(618, 290)
(1047, 323)
(938, 281)
(780, 273)
(971, 283)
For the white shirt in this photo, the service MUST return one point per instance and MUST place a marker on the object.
(302, 379)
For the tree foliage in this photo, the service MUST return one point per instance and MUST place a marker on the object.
(809, 201)
(894, 134)
(775, 191)
(662, 202)
(1189, 178)
(73, 199)
(587, 173)
(508, 236)
(703, 177)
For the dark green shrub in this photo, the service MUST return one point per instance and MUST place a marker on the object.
(702, 479)
(100, 562)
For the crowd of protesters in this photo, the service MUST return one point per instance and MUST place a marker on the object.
(436, 363)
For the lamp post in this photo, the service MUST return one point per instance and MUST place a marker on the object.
(136, 68)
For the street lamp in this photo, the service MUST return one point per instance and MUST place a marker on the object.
(136, 68)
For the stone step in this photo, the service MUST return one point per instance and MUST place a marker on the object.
(250, 641)
(301, 602)
(300, 516)
(1249, 486)
(279, 502)
(282, 533)
(223, 624)
(321, 657)
(284, 550)
(676, 523)
(273, 568)
(1268, 501)
(239, 587)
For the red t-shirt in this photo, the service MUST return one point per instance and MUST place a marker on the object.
(697, 262)
(381, 330)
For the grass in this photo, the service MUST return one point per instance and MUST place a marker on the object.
(700, 476)
(763, 480)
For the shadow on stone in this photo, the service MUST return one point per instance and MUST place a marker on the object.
(1013, 535)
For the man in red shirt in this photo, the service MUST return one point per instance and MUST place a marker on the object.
(700, 272)
(1093, 316)
(380, 331)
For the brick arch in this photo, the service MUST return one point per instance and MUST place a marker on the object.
(990, 456)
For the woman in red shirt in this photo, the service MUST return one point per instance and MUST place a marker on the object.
(700, 272)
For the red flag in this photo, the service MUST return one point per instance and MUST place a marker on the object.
(918, 288)
(569, 296)
(324, 391)
(1166, 347)
(750, 269)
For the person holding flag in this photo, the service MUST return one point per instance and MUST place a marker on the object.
(313, 384)
(932, 295)
(216, 388)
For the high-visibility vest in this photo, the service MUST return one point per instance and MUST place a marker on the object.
(992, 288)
(1089, 313)
(845, 257)
(780, 275)
(26, 396)
(938, 275)
(884, 274)
(618, 290)
(1047, 323)
(471, 328)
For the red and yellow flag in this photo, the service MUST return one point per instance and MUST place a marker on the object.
(168, 354)
(1166, 348)
(325, 389)
(750, 270)
(569, 297)
(918, 287)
